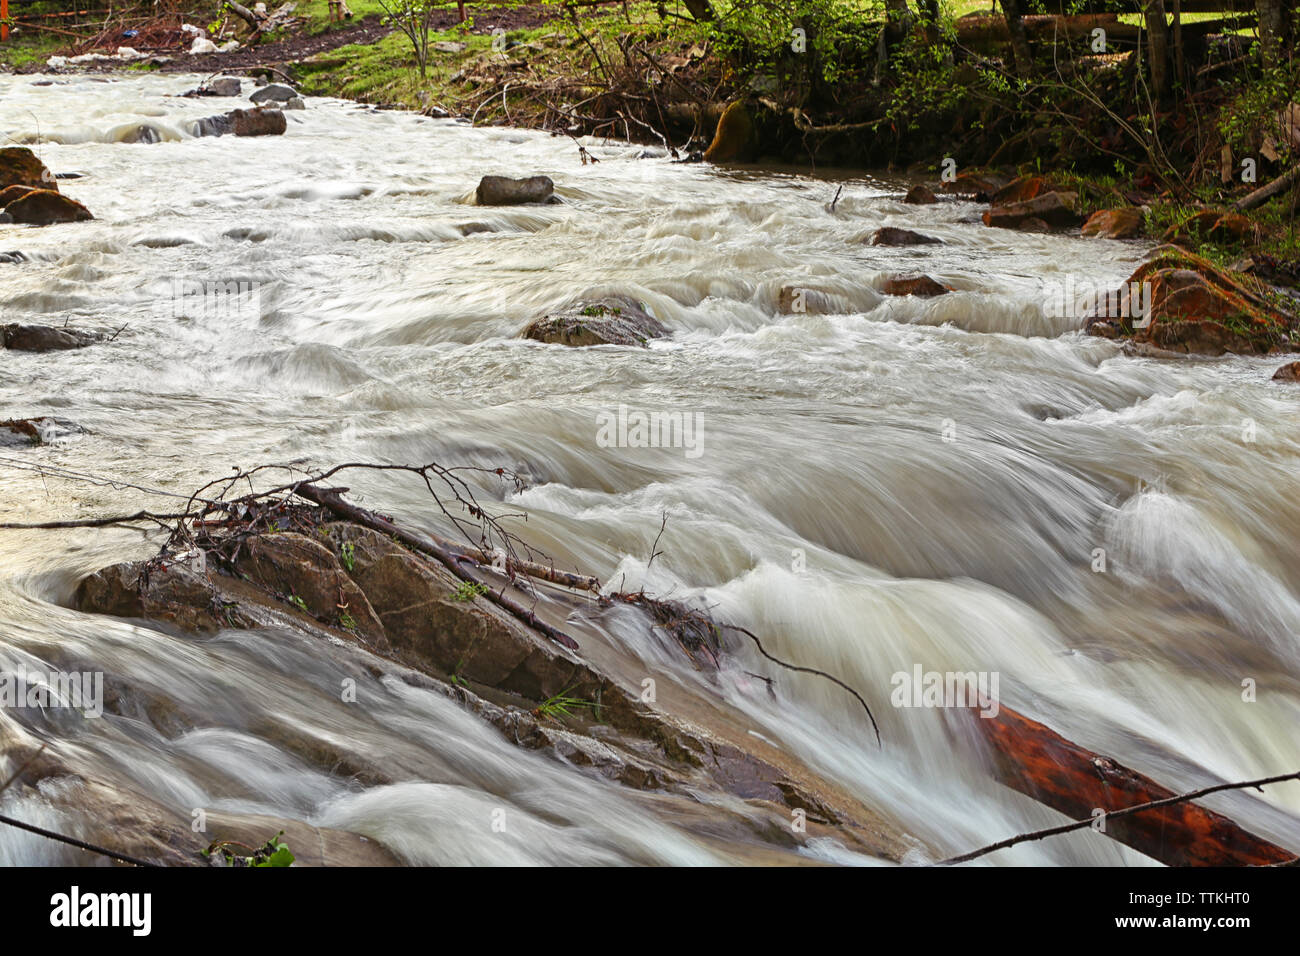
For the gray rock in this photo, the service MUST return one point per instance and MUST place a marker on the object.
(612, 320)
(224, 86)
(274, 93)
(504, 191)
(256, 122)
(297, 103)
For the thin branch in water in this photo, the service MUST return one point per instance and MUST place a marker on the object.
(1112, 814)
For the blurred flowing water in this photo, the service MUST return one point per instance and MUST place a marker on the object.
(911, 481)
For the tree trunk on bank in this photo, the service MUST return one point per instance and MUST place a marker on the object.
(1153, 12)
(1019, 40)
(897, 19)
(1180, 63)
(1273, 21)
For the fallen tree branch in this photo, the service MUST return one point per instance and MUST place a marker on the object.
(1127, 811)
(1266, 192)
(331, 499)
(72, 841)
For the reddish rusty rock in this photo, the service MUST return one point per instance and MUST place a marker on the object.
(10, 193)
(1216, 225)
(44, 207)
(1233, 227)
(1180, 302)
(1027, 187)
(891, 236)
(19, 166)
(918, 285)
(920, 195)
(1042, 764)
(1288, 373)
(258, 122)
(1054, 209)
(1114, 223)
(978, 186)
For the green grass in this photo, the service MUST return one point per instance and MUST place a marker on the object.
(26, 47)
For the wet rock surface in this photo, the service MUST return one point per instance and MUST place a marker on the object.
(504, 191)
(366, 597)
(613, 320)
(45, 338)
(893, 236)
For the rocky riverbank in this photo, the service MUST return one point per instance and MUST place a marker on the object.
(380, 604)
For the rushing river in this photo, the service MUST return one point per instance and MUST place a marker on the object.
(963, 483)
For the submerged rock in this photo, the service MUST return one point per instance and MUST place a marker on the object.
(920, 195)
(44, 207)
(45, 338)
(377, 606)
(504, 191)
(1288, 373)
(613, 320)
(14, 256)
(19, 166)
(20, 432)
(918, 285)
(892, 236)
(800, 300)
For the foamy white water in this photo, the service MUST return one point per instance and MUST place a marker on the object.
(910, 481)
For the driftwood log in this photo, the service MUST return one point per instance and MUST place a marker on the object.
(1040, 763)
(1266, 192)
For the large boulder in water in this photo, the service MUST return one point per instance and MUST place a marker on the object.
(43, 207)
(1177, 302)
(1054, 208)
(613, 320)
(254, 122)
(45, 338)
(921, 286)
(504, 191)
(10, 193)
(273, 93)
(1288, 373)
(19, 166)
(893, 236)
